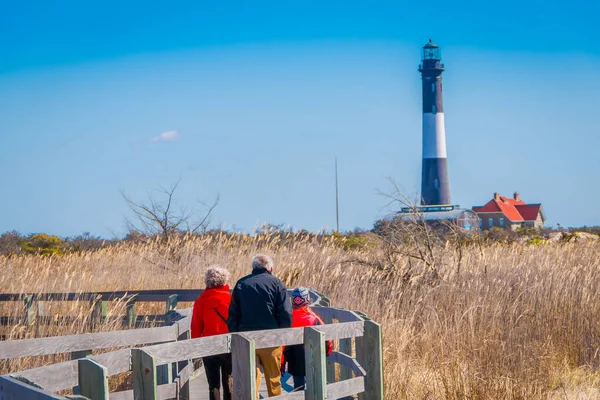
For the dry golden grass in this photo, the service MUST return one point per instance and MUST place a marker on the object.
(517, 322)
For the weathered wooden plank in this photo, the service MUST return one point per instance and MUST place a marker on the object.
(123, 395)
(69, 319)
(348, 362)
(316, 369)
(168, 391)
(342, 330)
(59, 376)
(143, 371)
(345, 388)
(185, 295)
(211, 345)
(373, 356)
(93, 380)
(346, 348)
(290, 396)
(326, 313)
(13, 389)
(75, 343)
(244, 367)
(64, 375)
(189, 349)
(291, 336)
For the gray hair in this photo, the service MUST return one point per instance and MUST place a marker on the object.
(263, 261)
(216, 276)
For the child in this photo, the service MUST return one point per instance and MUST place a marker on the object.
(302, 315)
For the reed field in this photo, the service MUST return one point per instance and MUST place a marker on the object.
(487, 321)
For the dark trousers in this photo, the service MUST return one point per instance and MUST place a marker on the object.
(299, 382)
(218, 369)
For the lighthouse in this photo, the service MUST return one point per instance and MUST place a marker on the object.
(435, 185)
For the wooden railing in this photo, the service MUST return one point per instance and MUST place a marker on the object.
(34, 305)
(164, 371)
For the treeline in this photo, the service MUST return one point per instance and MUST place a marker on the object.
(13, 243)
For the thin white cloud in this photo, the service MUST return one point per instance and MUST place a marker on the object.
(166, 136)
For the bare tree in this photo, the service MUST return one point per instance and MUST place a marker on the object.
(162, 216)
(411, 240)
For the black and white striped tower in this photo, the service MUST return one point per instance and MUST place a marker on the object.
(435, 186)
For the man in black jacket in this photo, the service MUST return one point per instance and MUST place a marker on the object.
(260, 301)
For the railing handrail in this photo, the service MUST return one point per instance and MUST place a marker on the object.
(60, 376)
(173, 351)
(183, 295)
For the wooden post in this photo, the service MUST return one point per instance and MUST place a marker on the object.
(93, 380)
(171, 303)
(330, 364)
(314, 352)
(41, 308)
(143, 370)
(164, 374)
(96, 316)
(346, 348)
(131, 315)
(75, 355)
(184, 389)
(243, 353)
(373, 361)
(360, 354)
(30, 309)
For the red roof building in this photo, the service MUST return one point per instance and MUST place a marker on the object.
(510, 213)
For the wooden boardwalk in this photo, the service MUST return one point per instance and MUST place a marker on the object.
(199, 386)
(162, 369)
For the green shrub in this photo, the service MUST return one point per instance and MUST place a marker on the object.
(42, 244)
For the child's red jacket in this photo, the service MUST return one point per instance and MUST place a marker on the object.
(294, 355)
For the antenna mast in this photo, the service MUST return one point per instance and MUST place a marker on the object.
(337, 213)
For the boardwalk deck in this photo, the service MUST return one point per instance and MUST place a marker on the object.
(199, 386)
(170, 345)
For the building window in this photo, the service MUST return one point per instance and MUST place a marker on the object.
(501, 221)
(433, 87)
(491, 222)
(433, 109)
(436, 183)
(480, 222)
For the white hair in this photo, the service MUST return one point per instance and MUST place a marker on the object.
(263, 261)
(216, 276)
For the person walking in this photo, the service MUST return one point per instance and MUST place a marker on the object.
(260, 301)
(209, 317)
(302, 316)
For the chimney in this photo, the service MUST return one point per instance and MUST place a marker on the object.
(517, 196)
(496, 196)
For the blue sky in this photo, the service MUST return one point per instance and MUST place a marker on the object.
(258, 98)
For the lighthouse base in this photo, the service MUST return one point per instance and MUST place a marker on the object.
(435, 186)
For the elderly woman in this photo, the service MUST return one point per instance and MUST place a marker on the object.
(209, 318)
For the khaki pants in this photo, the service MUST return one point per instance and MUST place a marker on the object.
(270, 359)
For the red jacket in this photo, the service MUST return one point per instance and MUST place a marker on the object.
(206, 320)
(294, 355)
(304, 316)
